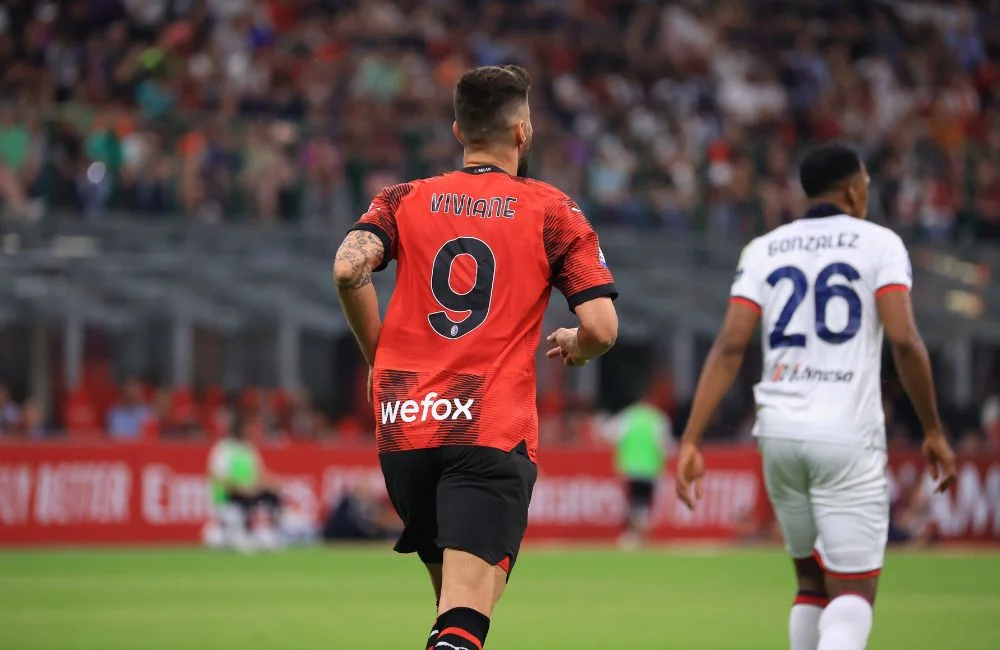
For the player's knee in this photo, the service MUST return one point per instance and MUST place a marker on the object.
(810, 575)
(469, 581)
(499, 584)
(864, 587)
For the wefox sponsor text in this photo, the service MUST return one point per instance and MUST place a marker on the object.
(428, 408)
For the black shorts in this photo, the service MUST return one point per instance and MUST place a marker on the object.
(466, 498)
(640, 493)
(263, 497)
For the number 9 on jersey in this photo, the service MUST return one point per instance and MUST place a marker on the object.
(476, 301)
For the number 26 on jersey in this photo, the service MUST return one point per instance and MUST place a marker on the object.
(823, 292)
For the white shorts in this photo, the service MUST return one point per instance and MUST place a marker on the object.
(831, 500)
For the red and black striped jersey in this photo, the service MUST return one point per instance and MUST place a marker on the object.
(477, 252)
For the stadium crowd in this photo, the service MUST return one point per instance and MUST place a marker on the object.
(684, 115)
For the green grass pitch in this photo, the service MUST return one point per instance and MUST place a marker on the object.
(346, 598)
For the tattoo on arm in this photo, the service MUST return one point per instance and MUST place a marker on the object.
(360, 252)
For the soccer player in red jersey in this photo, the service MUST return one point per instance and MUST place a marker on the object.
(452, 377)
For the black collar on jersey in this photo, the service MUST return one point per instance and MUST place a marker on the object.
(821, 210)
(482, 169)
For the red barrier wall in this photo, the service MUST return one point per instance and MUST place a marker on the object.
(157, 493)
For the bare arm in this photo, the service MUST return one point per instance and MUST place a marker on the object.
(914, 365)
(598, 329)
(596, 334)
(720, 370)
(360, 252)
(895, 310)
(721, 366)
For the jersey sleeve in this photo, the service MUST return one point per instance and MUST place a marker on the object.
(894, 272)
(380, 220)
(747, 287)
(579, 270)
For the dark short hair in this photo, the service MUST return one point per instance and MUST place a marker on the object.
(485, 98)
(826, 167)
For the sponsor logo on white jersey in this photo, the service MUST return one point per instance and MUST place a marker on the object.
(799, 372)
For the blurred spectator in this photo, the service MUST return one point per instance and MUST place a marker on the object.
(990, 421)
(326, 195)
(157, 424)
(192, 151)
(780, 193)
(154, 97)
(101, 163)
(267, 172)
(241, 486)
(642, 436)
(146, 172)
(970, 443)
(32, 425)
(10, 414)
(363, 513)
(219, 166)
(938, 208)
(988, 200)
(909, 515)
(127, 416)
(18, 165)
(219, 420)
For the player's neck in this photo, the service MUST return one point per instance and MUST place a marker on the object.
(819, 203)
(507, 163)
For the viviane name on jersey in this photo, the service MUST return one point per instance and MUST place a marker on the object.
(465, 205)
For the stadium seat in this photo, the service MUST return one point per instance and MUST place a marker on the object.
(150, 431)
(279, 400)
(81, 417)
(214, 396)
(251, 399)
(101, 387)
(183, 408)
(349, 430)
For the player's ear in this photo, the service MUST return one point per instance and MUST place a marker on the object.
(854, 198)
(521, 133)
(458, 134)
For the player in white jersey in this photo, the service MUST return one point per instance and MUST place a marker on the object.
(823, 288)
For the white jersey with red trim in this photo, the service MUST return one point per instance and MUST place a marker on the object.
(814, 283)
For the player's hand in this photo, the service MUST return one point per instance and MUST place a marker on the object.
(566, 347)
(690, 472)
(940, 459)
(371, 400)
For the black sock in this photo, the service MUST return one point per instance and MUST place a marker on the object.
(462, 629)
(433, 636)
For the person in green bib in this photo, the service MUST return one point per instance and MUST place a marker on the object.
(239, 485)
(641, 434)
